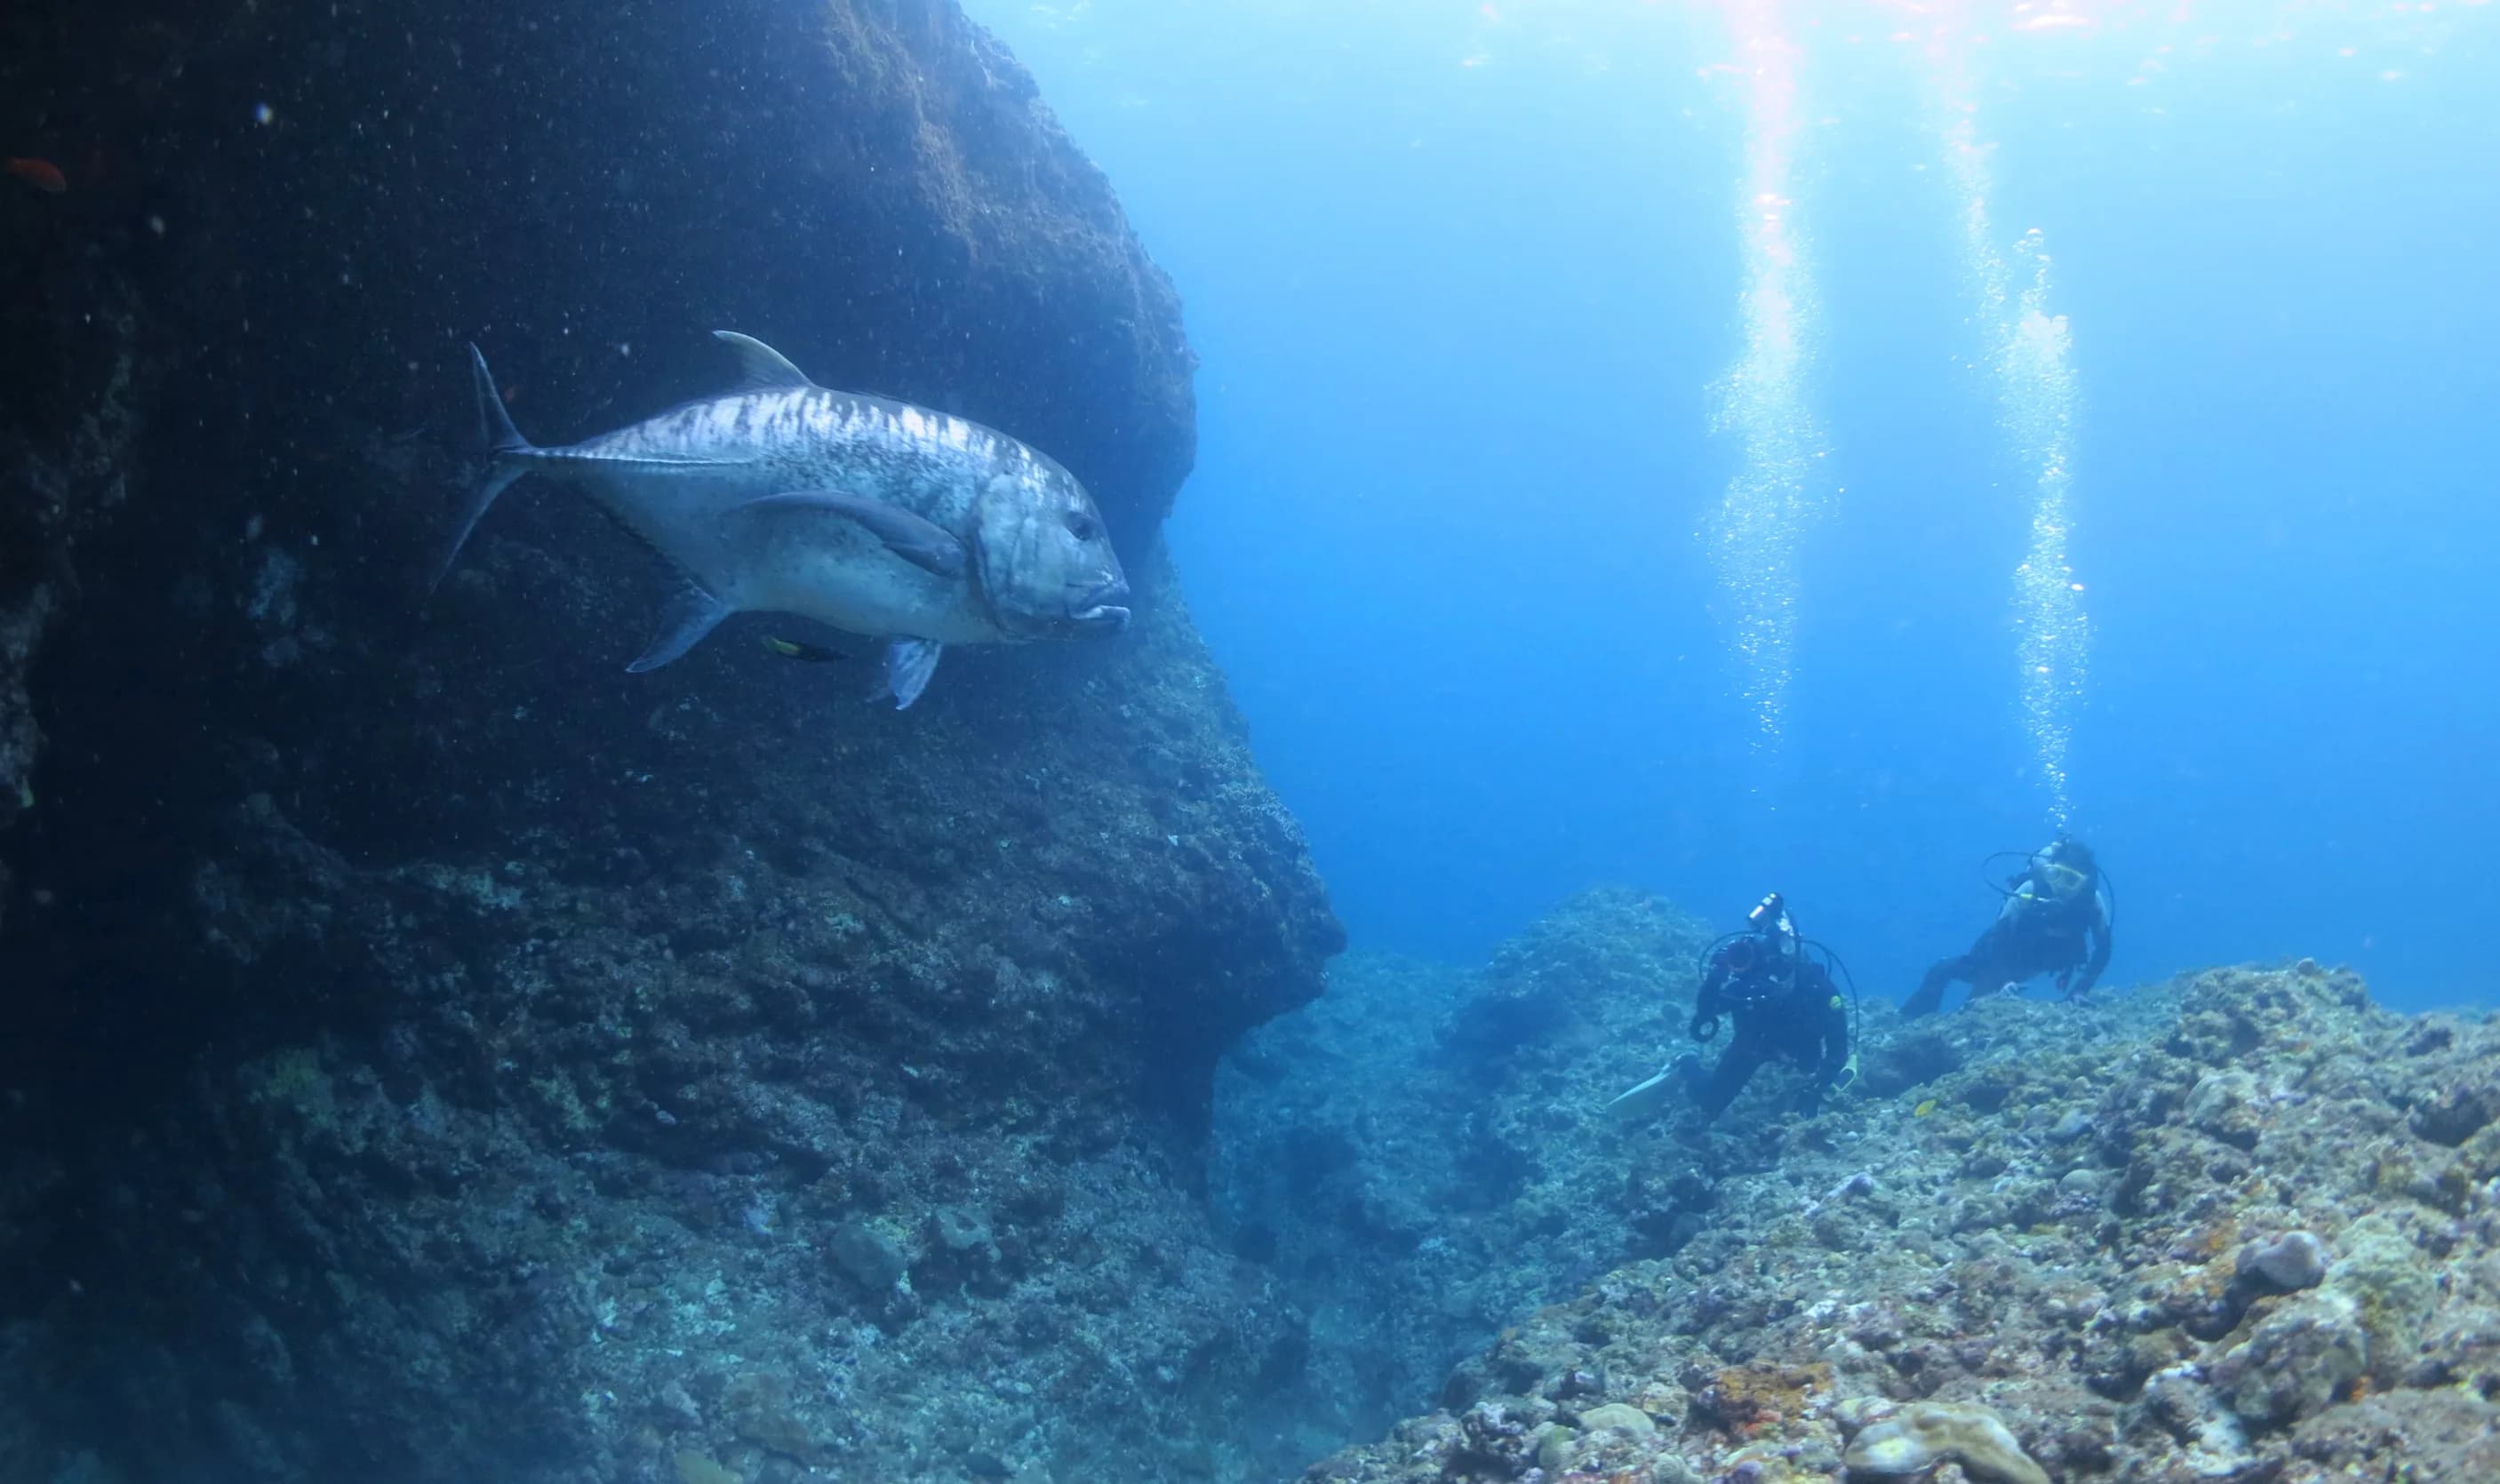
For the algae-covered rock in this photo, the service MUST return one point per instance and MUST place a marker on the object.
(764, 1412)
(699, 1468)
(1616, 1414)
(2434, 1437)
(1506, 1433)
(869, 1253)
(2297, 1361)
(2453, 1114)
(1554, 1447)
(1924, 1435)
(2209, 1440)
(2391, 1290)
(2295, 1260)
(2481, 1152)
(2227, 1105)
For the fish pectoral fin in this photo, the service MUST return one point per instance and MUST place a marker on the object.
(760, 367)
(922, 543)
(690, 615)
(908, 665)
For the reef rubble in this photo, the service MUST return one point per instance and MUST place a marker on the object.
(2242, 1225)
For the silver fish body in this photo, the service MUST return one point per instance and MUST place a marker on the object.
(871, 515)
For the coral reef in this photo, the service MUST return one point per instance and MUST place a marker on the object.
(2236, 1226)
(439, 1055)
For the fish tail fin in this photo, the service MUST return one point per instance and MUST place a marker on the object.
(501, 447)
(495, 427)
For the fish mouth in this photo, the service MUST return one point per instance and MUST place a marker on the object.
(1099, 608)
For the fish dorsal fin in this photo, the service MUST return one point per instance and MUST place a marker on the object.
(760, 367)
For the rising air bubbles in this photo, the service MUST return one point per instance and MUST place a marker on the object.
(2036, 387)
(1778, 491)
(1775, 492)
(2032, 367)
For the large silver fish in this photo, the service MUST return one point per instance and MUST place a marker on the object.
(873, 517)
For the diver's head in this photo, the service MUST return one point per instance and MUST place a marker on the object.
(1743, 955)
(2067, 851)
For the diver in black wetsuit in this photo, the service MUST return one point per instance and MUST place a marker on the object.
(2055, 920)
(1785, 1004)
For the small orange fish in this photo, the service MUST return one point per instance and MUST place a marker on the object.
(43, 174)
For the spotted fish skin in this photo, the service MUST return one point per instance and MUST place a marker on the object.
(806, 438)
(872, 516)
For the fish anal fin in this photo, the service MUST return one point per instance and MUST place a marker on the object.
(690, 615)
(908, 665)
(760, 367)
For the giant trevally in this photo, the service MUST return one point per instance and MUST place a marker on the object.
(871, 515)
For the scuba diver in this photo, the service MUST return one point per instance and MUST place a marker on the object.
(1778, 989)
(2056, 919)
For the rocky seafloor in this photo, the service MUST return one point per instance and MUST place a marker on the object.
(2240, 1226)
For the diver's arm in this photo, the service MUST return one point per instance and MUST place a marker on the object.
(2099, 934)
(1836, 1069)
(1836, 1057)
(1708, 1006)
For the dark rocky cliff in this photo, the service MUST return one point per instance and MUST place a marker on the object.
(436, 1054)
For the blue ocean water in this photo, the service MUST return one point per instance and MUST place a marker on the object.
(1464, 279)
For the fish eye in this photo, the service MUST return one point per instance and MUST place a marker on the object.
(1082, 526)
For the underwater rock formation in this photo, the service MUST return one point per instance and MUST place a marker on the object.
(2242, 1225)
(440, 1055)
(1395, 1151)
